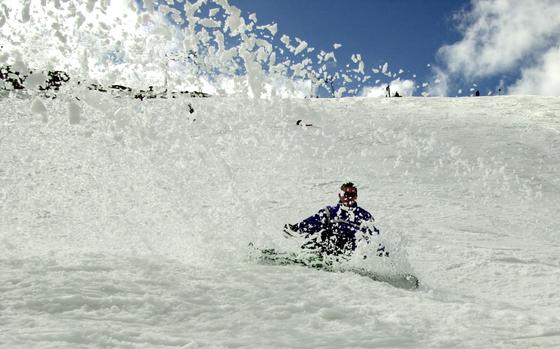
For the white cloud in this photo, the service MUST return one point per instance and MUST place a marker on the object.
(374, 91)
(541, 79)
(403, 87)
(501, 36)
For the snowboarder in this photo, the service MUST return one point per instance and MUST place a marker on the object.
(335, 230)
(388, 91)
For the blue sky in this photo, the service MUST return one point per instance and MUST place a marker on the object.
(426, 47)
(404, 33)
(432, 47)
(491, 44)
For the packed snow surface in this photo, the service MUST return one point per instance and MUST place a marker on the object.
(126, 223)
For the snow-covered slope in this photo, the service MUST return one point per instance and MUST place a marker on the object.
(126, 223)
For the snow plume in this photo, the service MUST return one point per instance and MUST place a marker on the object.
(204, 45)
(166, 44)
(507, 36)
(439, 85)
(106, 41)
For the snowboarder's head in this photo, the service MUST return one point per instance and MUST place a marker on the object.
(348, 194)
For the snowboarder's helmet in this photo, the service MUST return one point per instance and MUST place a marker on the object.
(349, 190)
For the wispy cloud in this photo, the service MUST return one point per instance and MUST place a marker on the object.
(542, 78)
(508, 36)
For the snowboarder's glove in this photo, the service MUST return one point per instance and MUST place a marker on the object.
(290, 230)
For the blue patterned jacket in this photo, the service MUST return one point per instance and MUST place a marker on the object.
(335, 229)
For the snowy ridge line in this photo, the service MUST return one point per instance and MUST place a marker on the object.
(51, 83)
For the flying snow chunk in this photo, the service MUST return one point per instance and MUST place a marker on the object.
(20, 66)
(302, 46)
(35, 80)
(272, 28)
(361, 67)
(339, 92)
(74, 113)
(285, 39)
(25, 13)
(234, 21)
(38, 108)
(337, 46)
(148, 4)
(328, 56)
(209, 23)
(385, 68)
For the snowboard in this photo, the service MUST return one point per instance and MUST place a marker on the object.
(269, 256)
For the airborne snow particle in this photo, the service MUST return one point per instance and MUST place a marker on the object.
(385, 68)
(74, 113)
(37, 107)
(285, 39)
(302, 46)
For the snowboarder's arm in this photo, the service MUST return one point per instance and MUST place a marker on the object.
(368, 228)
(310, 225)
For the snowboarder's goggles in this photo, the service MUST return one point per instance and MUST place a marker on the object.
(350, 193)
